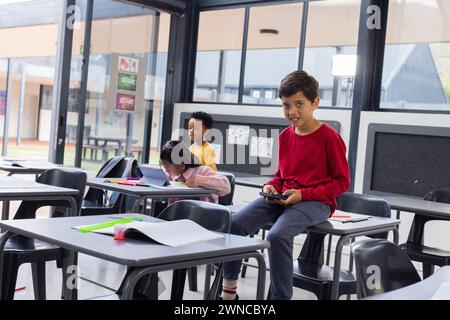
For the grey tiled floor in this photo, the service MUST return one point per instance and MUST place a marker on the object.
(110, 275)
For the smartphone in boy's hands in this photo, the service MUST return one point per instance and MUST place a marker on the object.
(271, 196)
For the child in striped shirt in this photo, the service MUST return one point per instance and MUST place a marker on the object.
(181, 165)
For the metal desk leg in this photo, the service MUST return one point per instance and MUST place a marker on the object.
(5, 210)
(337, 267)
(138, 202)
(396, 235)
(70, 276)
(130, 281)
(208, 271)
(260, 286)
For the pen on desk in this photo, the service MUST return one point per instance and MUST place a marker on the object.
(339, 216)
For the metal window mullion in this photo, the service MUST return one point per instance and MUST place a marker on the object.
(145, 156)
(61, 87)
(84, 79)
(8, 101)
(369, 72)
(304, 24)
(243, 56)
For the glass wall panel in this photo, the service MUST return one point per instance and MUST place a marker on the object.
(272, 50)
(416, 71)
(28, 31)
(126, 81)
(332, 35)
(219, 56)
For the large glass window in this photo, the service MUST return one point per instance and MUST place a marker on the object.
(28, 32)
(219, 56)
(416, 71)
(332, 36)
(126, 81)
(272, 50)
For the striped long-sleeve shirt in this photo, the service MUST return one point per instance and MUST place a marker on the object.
(206, 178)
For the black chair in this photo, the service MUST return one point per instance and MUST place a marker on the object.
(95, 201)
(211, 216)
(226, 200)
(414, 246)
(20, 250)
(381, 266)
(310, 273)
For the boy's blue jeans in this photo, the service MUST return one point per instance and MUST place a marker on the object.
(289, 222)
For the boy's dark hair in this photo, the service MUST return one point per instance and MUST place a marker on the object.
(206, 119)
(185, 156)
(299, 81)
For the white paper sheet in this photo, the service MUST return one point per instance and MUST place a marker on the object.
(172, 233)
(238, 134)
(261, 147)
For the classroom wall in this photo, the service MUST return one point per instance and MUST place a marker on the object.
(436, 232)
(343, 116)
(412, 119)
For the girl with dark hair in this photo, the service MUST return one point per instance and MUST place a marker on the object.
(181, 165)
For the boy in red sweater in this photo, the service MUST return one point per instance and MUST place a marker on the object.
(312, 172)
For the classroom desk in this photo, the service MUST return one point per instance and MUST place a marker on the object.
(418, 206)
(18, 189)
(30, 167)
(146, 257)
(434, 287)
(144, 193)
(347, 231)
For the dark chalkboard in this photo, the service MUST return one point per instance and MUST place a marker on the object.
(406, 160)
(238, 158)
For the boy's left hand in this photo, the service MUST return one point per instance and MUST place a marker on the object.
(294, 196)
(191, 182)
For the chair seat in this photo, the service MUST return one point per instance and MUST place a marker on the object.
(427, 254)
(25, 250)
(319, 273)
(22, 245)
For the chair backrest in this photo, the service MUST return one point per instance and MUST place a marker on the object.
(117, 167)
(365, 204)
(211, 216)
(381, 266)
(227, 200)
(441, 195)
(71, 178)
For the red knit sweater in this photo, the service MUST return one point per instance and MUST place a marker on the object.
(314, 163)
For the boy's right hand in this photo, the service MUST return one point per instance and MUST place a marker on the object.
(271, 189)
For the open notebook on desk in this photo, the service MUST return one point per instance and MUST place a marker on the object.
(172, 233)
(346, 217)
